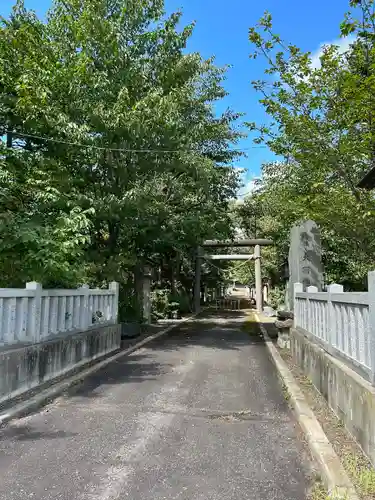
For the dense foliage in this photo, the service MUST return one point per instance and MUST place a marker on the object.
(113, 156)
(322, 127)
(112, 153)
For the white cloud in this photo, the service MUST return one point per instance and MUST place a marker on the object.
(249, 187)
(343, 45)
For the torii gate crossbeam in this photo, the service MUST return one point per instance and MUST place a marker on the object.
(256, 243)
(230, 257)
(237, 243)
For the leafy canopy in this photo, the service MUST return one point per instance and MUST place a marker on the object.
(114, 153)
(322, 127)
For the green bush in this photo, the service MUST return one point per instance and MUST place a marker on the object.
(276, 297)
(164, 304)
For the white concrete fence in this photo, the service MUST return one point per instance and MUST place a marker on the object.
(32, 314)
(342, 322)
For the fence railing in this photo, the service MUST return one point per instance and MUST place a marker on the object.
(228, 303)
(32, 314)
(344, 322)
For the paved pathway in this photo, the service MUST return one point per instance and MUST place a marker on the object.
(198, 415)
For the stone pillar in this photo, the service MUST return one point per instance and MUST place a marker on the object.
(258, 279)
(138, 287)
(265, 294)
(147, 280)
(205, 295)
(305, 258)
(197, 282)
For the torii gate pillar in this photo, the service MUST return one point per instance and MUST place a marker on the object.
(258, 279)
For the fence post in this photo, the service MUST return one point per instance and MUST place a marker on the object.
(297, 288)
(115, 287)
(371, 318)
(36, 310)
(84, 316)
(258, 279)
(310, 289)
(331, 324)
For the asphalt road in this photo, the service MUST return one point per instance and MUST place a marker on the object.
(197, 415)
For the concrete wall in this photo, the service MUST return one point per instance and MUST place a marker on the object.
(32, 315)
(343, 322)
(28, 366)
(349, 395)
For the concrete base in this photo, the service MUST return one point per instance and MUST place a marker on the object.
(30, 366)
(283, 340)
(348, 394)
(130, 330)
(283, 337)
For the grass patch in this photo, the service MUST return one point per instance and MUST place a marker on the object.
(361, 473)
(318, 492)
(286, 393)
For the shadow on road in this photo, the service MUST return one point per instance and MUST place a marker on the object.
(135, 369)
(227, 330)
(26, 433)
(220, 329)
(217, 329)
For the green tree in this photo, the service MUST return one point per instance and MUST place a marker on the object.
(321, 125)
(113, 132)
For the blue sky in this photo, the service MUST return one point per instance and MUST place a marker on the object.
(222, 31)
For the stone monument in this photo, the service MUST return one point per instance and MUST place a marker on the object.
(305, 258)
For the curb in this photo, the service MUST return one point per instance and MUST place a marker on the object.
(25, 407)
(333, 473)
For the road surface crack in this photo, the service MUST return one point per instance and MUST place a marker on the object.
(236, 416)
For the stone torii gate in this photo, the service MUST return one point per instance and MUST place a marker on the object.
(256, 256)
